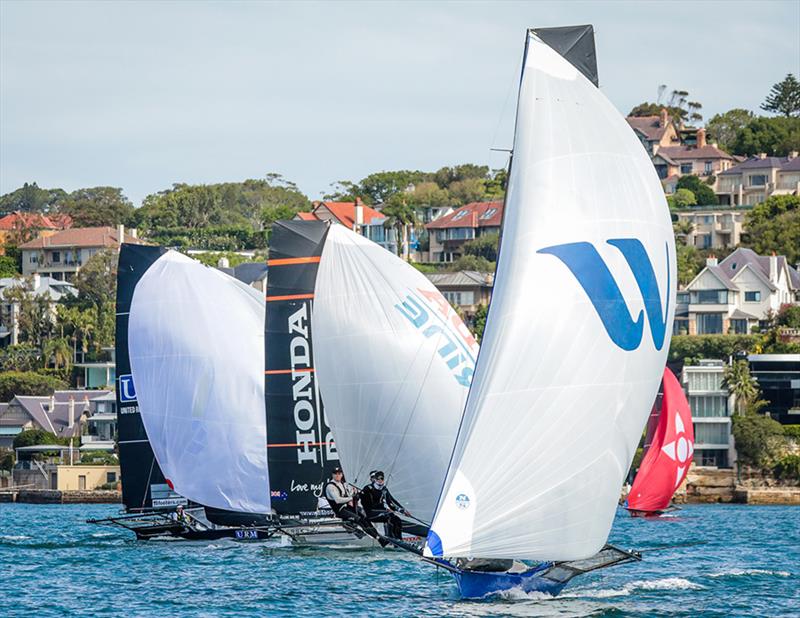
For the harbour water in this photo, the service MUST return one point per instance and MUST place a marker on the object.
(54, 564)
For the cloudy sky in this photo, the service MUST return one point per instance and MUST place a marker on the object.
(141, 95)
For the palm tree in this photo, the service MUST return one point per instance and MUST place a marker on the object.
(682, 228)
(737, 379)
(400, 214)
(59, 351)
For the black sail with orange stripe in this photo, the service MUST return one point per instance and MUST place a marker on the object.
(300, 452)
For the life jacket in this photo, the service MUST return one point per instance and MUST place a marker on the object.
(334, 506)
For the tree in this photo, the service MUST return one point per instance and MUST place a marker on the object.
(678, 106)
(690, 262)
(446, 176)
(684, 198)
(723, 128)
(400, 214)
(32, 437)
(8, 266)
(784, 97)
(759, 439)
(484, 246)
(377, 188)
(58, 352)
(773, 136)
(97, 279)
(472, 262)
(738, 381)
(774, 225)
(34, 317)
(97, 206)
(467, 191)
(703, 194)
(430, 194)
(479, 322)
(29, 197)
(28, 383)
(19, 358)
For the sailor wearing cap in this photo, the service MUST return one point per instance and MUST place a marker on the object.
(343, 499)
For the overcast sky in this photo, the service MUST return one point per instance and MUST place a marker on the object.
(142, 95)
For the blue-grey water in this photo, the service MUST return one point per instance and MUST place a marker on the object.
(54, 564)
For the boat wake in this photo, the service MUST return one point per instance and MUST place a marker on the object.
(750, 573)
(667, 583)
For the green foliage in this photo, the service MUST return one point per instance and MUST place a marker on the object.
(425, 268)
(479, 321)
(784, 97)
(28, 383)
(97, 206)
(774, 225)
(759, 439)
(792, 432)
(472, 262)
(774, 136)
(678, 105)
(377, 188)
(99, 458)
(737, 380)
(8, 266)
(6, 459)
(787, 468)
(484, 246)
(684, 198)
(213, 238)
(430, 194)
(29, 197)
(704, 194)
(34, 319)
(692, 348)
(212, 258)
(690, 262)
(32, 437)
(723, 128)
(676, 114)
(788, 316)
(20, 358)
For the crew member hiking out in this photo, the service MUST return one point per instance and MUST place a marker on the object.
(344, 503)
(380, 505)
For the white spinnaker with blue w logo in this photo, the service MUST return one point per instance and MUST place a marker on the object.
(394, 362)
(196, 344)
(572, 355)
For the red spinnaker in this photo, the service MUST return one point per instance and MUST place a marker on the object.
(666, 462)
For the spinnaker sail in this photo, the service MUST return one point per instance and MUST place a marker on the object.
(667, 461)
(394, 363)
(196, 343)
(577, 332)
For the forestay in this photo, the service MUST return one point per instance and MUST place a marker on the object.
(196, 341)
(577, 332)
(394, 363)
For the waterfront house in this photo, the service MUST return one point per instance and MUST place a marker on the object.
(44, 287)
(778, 377)
(757, 178)
(654, 131)
(465, 290)
(99, 370)
(738, 293)
(61, 255)
(701, 159)
(357, 216)
(711, 406)
(713, 227)
(449, 233)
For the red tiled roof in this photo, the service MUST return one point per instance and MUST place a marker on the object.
(306, 216)
(345, 212)
(477, 214)
(691, 152)
(27, 220)
(81, 237)
(649, 125)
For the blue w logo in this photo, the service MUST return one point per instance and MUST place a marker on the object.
(591, 271)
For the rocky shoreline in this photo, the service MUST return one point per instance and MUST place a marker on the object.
(713, 485)
(52, 496)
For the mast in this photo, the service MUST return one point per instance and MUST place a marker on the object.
(300, 451)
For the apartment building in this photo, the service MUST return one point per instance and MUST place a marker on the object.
(754, 180)
(712, 406)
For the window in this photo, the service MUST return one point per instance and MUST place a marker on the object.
(739, 327)
(489, 213)
(752, 297)
(711, 457)
(708, 219)
(708, 297)
(705, 381)
(55, 257)
(758, 180)
(454, 298)
(705, 406)
(661, 170)
(711, 433)
(111, 477)
(460, 215)
(682, 298)
(708, 167)
(680, 326)
(709, 324)
(686, 168)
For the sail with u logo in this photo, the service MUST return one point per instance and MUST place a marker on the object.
(577, 331)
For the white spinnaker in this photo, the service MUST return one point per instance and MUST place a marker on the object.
(196, 343)
(556, 408)
(394, 362)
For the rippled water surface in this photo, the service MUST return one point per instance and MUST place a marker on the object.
(54, 564)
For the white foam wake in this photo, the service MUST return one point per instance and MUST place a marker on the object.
(667, 583)
(746, 572)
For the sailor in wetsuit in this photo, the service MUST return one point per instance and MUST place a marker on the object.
(381, 505)
(344, 503)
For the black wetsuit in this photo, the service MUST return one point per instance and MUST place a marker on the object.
(379, 504)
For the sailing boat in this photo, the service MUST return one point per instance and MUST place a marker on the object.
(667, 460)
(576, 338)
(194, 397)
(394, 363)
